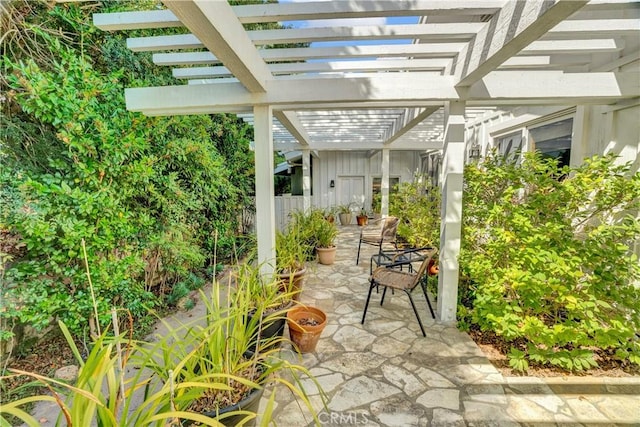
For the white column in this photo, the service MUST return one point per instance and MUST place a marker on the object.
(579, 139)
(306, 179)
(265, 200)
(384, 185)
(451, 185)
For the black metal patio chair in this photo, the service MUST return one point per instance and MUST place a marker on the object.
(389, 276)
(377, 236)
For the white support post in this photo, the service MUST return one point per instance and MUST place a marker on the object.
(265, 201)
(306, 179)
(450, 230)
(384, 185)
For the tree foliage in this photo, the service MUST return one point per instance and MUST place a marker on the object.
(147, 194)
(547, 259)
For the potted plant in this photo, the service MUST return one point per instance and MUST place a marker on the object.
(325, 234)
(329, 215)
(210, 366)
(291, 255)
(362, 217)
(268, 304)
(305, 327)
(200, 372)
(344, 213)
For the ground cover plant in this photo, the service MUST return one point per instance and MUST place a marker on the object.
(547, 261)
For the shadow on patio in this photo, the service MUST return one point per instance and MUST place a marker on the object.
(385, 373)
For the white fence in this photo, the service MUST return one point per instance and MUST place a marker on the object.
(283, 206)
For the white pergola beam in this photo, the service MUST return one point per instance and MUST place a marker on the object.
(371, 8)
(498, 41)
(566, 59)
(248, 14)
(464, 31)
(593, 28)
(172, 42)
(383, 86)
(307, 67)
(386, 90)
(411, 124)
(549, 47)
(417, 50)
(420, 50)
(459, 31)
(364, 145)
(291, 121)
(531, 85)
(138, 20)
(217, 27)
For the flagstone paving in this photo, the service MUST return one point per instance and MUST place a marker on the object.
(385, 373)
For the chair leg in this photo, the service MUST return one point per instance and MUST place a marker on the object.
(358, 257)
(366, 305)
(426, 296)
(384, 292)
(415, 310)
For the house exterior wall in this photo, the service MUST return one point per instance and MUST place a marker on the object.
(332, 165)
(597, 130)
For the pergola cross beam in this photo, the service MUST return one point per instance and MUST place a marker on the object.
(291, 121)
(217, 27)
(411, 124)
(507, 33)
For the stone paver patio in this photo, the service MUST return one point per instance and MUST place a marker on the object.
(384, 373)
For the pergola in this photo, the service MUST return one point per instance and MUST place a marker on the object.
(400, 75)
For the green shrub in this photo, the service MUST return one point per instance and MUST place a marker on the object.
(417, 204)
(546, 259)
(147, 194)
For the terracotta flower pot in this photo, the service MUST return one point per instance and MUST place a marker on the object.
(305, 327)
(292, 282)
(362, 220)
(433, 268)
(326, 256)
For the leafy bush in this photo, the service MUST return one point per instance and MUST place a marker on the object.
(547, 262)
(417, 204)
(147, 194)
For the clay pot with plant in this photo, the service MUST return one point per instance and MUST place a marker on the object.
(344, 213)
(362, 218)
(329, 215)
(325, 235)
(305, 327)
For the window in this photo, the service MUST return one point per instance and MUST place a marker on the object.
(510, 146)
(553, 140)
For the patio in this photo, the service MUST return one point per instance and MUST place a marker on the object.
(385, 373)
